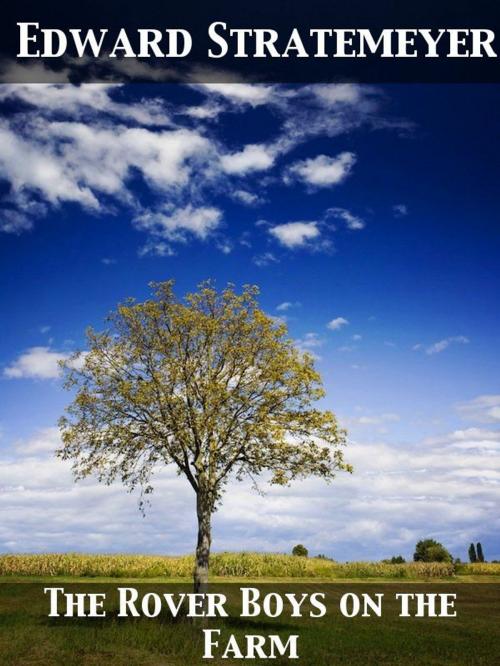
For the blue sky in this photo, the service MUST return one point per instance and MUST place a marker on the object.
(368, 216)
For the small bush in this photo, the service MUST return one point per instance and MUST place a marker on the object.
(300, 551)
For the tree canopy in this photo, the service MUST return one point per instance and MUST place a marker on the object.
(209, 383)
(429, 550)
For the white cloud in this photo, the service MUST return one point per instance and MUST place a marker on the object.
(246, 198)
(82, 100)
(486, 439)
(441, 345)
(483, 409)
(36, 363)
(323, 171)
(342, 93)
(352, 222)
(14, 221)
(242, 93)
(225, 246)
(337, 323)
(447, 488)
(37, 168)
(180, 224)
(58, 160)
(41, 363)
(309, 343)
(287, 305)
(250, 159)
(156, 248)
(310, 340)
(295, 234)
(50, 148)
(265, 259)
(45, 441)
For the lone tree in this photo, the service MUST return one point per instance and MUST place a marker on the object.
(429, 550)
(472, 553)
(210, 384)
(480, 555)
(300, 551)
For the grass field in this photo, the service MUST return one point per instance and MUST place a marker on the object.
(29, 637)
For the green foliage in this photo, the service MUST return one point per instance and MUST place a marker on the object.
(210, 384)
(300, 551)
(479, 550)
(395, 559)
(429, 550)
(472, 554)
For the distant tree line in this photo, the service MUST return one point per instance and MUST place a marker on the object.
(426, 550)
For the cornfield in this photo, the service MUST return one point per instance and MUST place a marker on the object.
(479, 569)
(241, 565)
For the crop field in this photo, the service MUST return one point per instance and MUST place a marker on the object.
(230, 565)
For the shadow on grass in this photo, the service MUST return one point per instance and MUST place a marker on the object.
(231, 623)
(255, 625)
(113, 616)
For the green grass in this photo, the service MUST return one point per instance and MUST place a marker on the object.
(29, 637)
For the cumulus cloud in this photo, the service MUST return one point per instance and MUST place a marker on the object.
(483, 409)
(322, 171)
(180, 224)
(36, 363)
(52, 141)
(447, 487)
(40, 363)
(337, 323)
(58, 160)
(294, 235)
(248, 160)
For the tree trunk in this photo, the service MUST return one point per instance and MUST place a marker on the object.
(204, 513)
